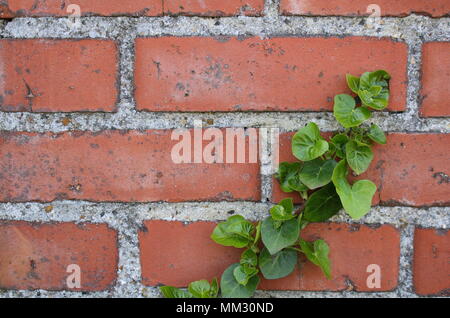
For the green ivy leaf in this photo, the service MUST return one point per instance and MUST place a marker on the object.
(317, 253)
(173, 292)
(202, 289)
(308, 144)
(376, 134)
(236, 231)
(339, 141)
(279, 265)
(353, 83)
(288, 177)
(231, 288)
(359, 156)
(322, 204)
(345, 112)
(355, 199)
(317, 173)
(283, 210)
(214, 291)
(243, 273)
(374, 89)
(249, 258)
(276, 238)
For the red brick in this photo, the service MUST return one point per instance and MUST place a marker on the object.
(214, 8)
(431, 262)
(279, 74)
(38, 8)
(187, 253)
(411, 169)
(36, 256)
(434, 8)
(435, 72)
(114, 166)
(174, 253)
(58, 75)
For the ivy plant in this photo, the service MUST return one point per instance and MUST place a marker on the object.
(270, 247)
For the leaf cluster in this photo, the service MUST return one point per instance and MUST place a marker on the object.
(271, 247)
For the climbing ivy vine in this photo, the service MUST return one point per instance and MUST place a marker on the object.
(270, 247)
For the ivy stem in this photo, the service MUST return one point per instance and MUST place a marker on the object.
(300, 209)
(295, 249)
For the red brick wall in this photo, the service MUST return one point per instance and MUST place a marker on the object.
(51, 79)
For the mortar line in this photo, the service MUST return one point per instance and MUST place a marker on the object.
(405, 274)
(265, 26)
(127, 118)
(115, 214)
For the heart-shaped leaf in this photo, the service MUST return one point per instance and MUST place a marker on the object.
(276, 237)
(317, 173)
(338, 143)
(279, 265)
(236, 231)
(244, 273)
(376, 78)
(355, 199)
(322, 204)
(283, 210)
(231, 288)
(374, 89)
(288, 176)
(317, 253)
(202, 289)
(376, 134)
(308, 144)
(249, 258)
(359, 156)
(173, 292)
(353, 83)
(345, 112)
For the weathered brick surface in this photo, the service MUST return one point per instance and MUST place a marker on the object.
(58, 75)
(187, 253)
(431, 262)
(211, 8)
(114, 166)
(434, 8)
(283, 74)
(37, 256)
(435, 74)
(37, 8)
(214, 8)
(173, 253)
(411, 169)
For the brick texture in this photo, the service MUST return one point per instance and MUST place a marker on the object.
(431, 262)
(187, 253)
(434, 8)
(411, 169)
(214, 8)
(36, 256)
(37, 8)
(435, 72)
(58, 75)
(114, 166)
(173, 253)
(278, 74)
